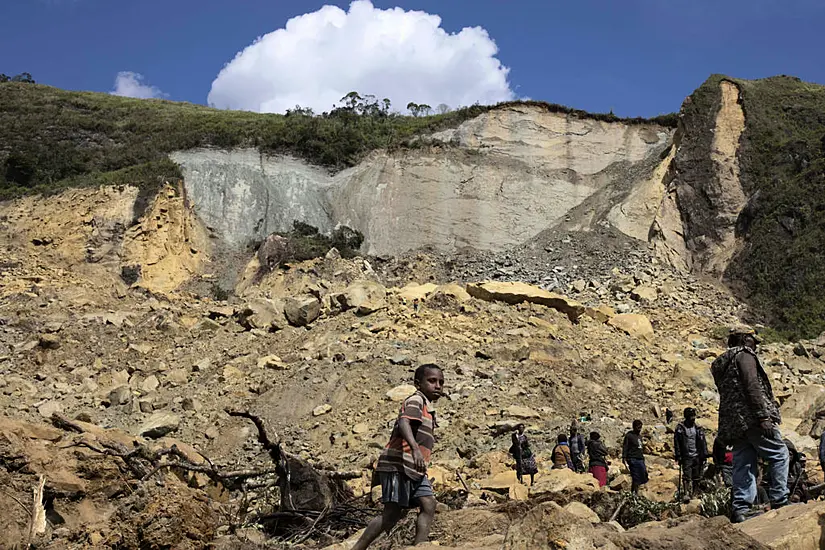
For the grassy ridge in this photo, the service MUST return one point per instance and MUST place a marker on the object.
(51, 139)
(782, 160)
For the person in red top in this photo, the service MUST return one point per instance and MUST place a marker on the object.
(402, 466)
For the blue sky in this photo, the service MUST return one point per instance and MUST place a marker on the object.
(637, 57)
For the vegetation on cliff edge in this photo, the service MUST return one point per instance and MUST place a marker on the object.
(51, 139)
(782, 164)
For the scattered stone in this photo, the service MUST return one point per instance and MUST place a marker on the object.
(48, 408)
(401, 359)
(453, 290)
(582, 511)
(263, 314)
(601, 314)
(400, 393)
(633, 324)
(177, 377)
(579, 285)
(49, 341)
(121, 395)
(414, 291)
(321, 409)
(302, 311)
(271, 362)
(519, 411)
(142, 349)
(232, 374)
(206, 325)
(191, 404)
(516, 293)
(150, 384)
(159, 425)
(220, 312)
(146, 405)
(644, 294)
(361, 428)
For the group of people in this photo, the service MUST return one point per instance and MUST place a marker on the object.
(747, 434)
(569, 452)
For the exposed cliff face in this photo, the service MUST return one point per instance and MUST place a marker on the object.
(705, 189)
(506, 176)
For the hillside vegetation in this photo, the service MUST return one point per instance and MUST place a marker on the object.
(782, 161)
(51, 139)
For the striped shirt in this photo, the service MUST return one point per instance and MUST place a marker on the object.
(397, 455)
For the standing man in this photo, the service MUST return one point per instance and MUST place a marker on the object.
(691, 449)
(748, 419)
(577, 447)
(633, 457)
(819, 415)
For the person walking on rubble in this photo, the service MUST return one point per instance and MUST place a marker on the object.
(525, 459)
(691, 450)
(561, 454)
(597, 452)
(634, 458)
(748, 419)
(577, 447)
(402, 466)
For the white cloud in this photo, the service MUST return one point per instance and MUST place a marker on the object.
(129, 84)
(321, 56)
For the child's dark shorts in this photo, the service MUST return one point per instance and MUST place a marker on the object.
(401, 490)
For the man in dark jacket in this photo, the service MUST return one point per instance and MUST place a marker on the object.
(822, 450)
(748, 419)
(577, 447)
(634, 458)
(691, 449)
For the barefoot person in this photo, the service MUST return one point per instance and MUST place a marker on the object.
(402, 466)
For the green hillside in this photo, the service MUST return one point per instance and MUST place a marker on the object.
(782, 160)
(51, 139)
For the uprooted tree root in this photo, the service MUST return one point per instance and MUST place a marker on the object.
(292, 501)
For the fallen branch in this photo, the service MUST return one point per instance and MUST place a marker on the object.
(461, 479)
(618, 510)
(279, 457)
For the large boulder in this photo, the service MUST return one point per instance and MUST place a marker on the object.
(414, 291)
(564, 481)
(801, 408)
(634, 324)
(549, 526)
(797, 527)
(302, 311)
(694, 374)
(261, 313)
(517, 293)
(364, 296)
(686, 533)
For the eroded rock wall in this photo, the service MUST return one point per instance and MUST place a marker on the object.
(504, 177)
(696, 225)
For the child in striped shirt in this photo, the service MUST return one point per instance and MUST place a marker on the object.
(402, 466)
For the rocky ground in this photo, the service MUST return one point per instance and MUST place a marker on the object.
(100, 379)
